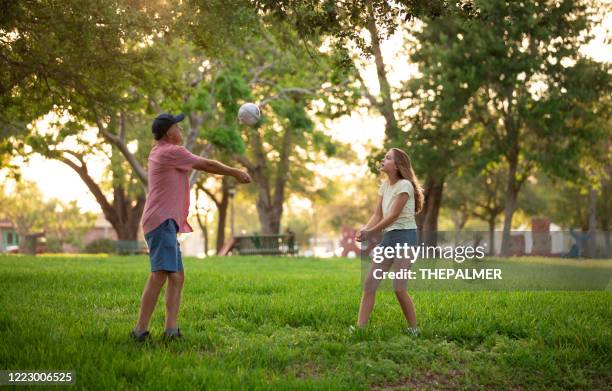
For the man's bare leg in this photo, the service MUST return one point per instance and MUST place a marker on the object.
(149, 299)
(173, 298)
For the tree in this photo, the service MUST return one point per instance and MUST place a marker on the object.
(221, 199)
(343, 24)
(120, 45)
(292, 85)
(23, 207)
(65, 224)
(62, 222)
(45, 47)
(203, 211)
(479, 196)
(519, 74)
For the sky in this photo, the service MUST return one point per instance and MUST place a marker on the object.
(361, 129)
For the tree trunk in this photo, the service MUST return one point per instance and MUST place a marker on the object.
(222, 208)
(269, 206)
(203, 224)
(512, 185)
(427, 220)
(269, 217)
(204, 228)
(386, 105)
(126, 219)
(125, 211)
(591, 243)
(492, 235)
(127, 229)
(205, 234)
(509, 208)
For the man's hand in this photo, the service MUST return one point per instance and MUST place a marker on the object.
(242, 177)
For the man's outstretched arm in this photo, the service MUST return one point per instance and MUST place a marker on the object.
(216, 167)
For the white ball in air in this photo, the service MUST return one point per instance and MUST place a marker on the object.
(249, 114)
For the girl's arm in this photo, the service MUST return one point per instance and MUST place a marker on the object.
(396, 210)
(376, 217)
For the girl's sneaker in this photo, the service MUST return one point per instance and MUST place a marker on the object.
(357, 331)
(414, 332)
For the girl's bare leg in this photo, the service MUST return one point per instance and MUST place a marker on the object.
(369, 291)
(400, 288)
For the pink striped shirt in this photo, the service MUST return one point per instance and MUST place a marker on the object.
(168, 197)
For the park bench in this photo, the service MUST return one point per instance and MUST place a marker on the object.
(125, 247)
(274, 244)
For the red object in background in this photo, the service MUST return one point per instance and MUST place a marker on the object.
(540, 225)
(40, 249)
(348, 242)
(540, 236)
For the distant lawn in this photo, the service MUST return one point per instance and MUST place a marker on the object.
(263, 322)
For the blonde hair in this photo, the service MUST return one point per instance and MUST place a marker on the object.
(405, 171)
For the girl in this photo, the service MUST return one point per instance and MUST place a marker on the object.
(400, 198)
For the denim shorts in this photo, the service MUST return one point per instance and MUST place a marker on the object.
(164, 249)
(399, 236)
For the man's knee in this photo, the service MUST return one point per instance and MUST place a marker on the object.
(177, 278)
(159, 276)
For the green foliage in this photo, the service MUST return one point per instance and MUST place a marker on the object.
(44, 63)
(62, 222)
(101, 246)
(227, 138)
(484, 74)
(293, 86)
(567, 203)
(344, 21)
(293, 114)
(66, 223)
(24, 207)
(220, 100)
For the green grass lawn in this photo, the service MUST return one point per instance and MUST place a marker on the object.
(262, 322)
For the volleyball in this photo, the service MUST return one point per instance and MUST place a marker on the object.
(249, 114)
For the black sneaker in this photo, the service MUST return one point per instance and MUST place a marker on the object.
(139, 337)
(173, 336)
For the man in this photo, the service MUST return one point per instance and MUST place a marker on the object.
(165, 215)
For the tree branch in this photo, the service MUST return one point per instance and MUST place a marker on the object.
(365, 90)
(284, 92)
(119, 142)
(209, 194)
(206, 153)
(245, 162)
(258, 71)
(282, 169)
(89, 182)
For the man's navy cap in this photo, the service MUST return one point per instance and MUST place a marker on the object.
(163, 122)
